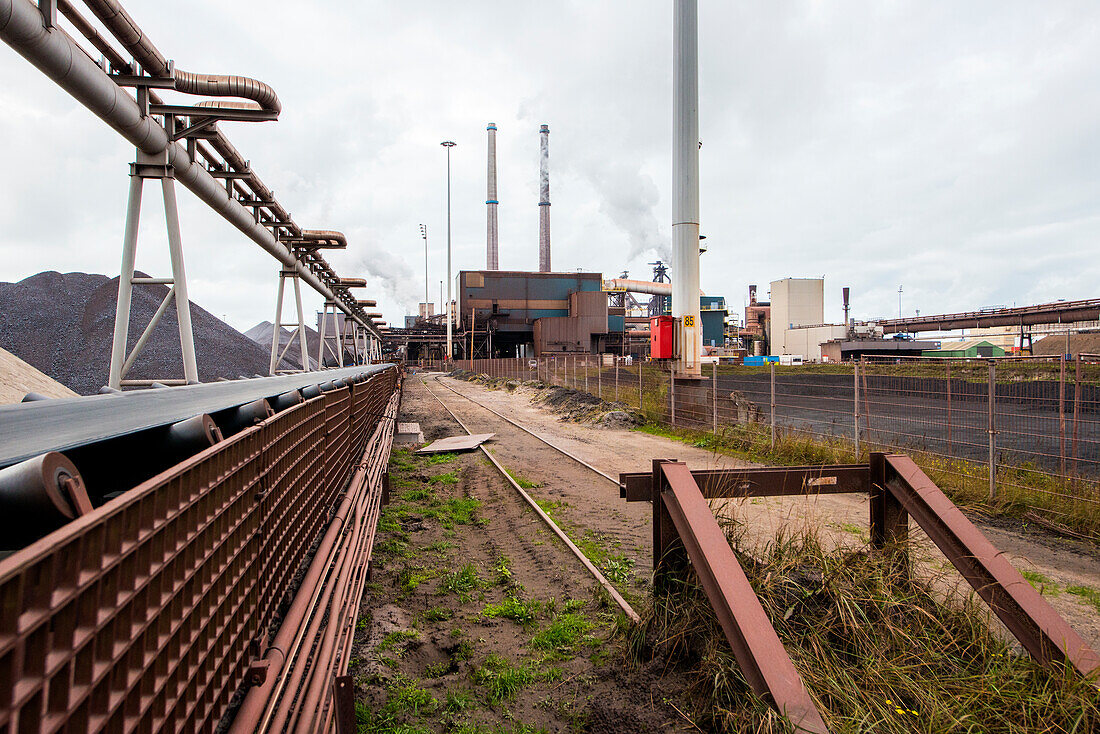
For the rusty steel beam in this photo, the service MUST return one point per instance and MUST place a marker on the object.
(759, 482)
(1027, 615)
(763, 660)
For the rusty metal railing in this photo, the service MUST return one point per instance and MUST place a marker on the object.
(685, 530)
(150, 612)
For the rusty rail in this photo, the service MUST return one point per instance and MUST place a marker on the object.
(148, 613)
(685, 529)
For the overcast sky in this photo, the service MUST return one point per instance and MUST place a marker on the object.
(951, 148)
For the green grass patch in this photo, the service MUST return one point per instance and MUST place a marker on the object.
(523, 613)
(455, 511)
(443, 458)
(396, 640)
(1089, 594)
(1041, 582)
(461, 582)
(411, 577)
(448, 478)
(418, 495)
(563, 634)
(502, 679)
(522, 481)
(438, 614)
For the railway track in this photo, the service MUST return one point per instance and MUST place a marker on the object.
(561, 534)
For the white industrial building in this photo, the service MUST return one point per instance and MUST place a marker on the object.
(798, 318)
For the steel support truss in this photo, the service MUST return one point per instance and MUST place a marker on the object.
(152, 167)
(277, 355)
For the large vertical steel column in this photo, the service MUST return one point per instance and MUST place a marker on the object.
(179, 277)
(492, 252)
(321, 336)
(685, 179)
(301, 325)
(277, 326)
(125, 282)
(544, 199)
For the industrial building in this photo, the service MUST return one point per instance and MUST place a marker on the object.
(968, 348)
(519, 313)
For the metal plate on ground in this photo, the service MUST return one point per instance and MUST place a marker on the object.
(456, 443)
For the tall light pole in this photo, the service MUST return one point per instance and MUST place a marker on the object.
(424, 234)
(899, 301)
(448, 144)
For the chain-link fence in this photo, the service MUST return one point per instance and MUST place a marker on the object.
(1014, 431)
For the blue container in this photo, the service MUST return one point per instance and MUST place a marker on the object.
(754, 361)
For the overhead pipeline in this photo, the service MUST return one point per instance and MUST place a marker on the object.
(57, 56)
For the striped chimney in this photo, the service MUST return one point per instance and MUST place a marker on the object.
(544, 199)
(492, 256)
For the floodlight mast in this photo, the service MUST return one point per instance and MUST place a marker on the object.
(448, 144)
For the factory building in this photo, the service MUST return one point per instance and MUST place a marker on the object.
(520, 313)
(712, 316)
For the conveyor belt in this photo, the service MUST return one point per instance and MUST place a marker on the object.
(31, 429)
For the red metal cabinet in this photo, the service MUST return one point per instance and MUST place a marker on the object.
(661, 332)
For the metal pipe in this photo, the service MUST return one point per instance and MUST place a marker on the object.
(62, 60)
(685, 178)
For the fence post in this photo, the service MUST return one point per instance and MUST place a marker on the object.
(950, 448)
(586, 373)
(992, 431)
(714, 394)
(672, 393)
(640, 366)
(772, 411)
(1062, 412)
(1076, 406)
(855, 404)
(599, 377)
(616, 379)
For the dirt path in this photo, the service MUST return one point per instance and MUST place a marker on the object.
(478, 619)
(1054, 563)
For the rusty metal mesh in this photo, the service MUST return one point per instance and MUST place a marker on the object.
(145, 614)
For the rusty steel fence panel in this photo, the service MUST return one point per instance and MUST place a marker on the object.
(146, 614)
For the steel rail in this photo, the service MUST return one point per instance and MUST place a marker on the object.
(763, 660)
(30, 429)
(559, 449)
(61, 59)
(623, 603)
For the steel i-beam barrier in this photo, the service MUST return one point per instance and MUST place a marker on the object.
(685, 530)
(151, 611)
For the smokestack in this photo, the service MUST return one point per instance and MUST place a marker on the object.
(492, 261)
(544, 199)
(846, 305)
